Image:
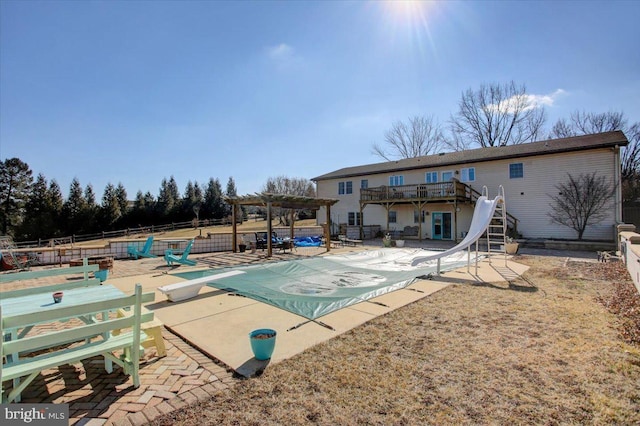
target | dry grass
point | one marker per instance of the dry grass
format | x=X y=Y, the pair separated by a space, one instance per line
x=539 y=351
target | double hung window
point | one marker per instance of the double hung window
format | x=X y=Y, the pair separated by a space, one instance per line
x=516 y=170
x=468 y=174
x=396 y=180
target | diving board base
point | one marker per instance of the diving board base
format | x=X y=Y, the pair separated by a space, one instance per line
x=190 y=289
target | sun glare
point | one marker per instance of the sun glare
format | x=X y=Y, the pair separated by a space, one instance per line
x=410 y=19
x=407 y=9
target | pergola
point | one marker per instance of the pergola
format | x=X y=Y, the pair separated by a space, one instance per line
x=285 y=201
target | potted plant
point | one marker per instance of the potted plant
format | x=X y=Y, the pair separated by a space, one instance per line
x=242 y=245
x=400 y=240
x=263 y=342
x=511 y=246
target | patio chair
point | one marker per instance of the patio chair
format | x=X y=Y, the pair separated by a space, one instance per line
x=172 y=258
x=132 y=250
x=261 y=240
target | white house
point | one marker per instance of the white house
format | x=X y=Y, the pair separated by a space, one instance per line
x=433 y=196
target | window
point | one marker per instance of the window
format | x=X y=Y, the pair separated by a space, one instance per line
x=354 y=218
x=447 y=176
x=468 y=174
x=516 y=170
x=364 y=183
x=417 y=213
x=396 y=180
x=345 y=188
x=431 y=177
x=393 y=216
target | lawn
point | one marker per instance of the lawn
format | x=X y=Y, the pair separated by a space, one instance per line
x=559 y=346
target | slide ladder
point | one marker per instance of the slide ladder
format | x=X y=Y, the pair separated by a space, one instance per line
x=497 y=230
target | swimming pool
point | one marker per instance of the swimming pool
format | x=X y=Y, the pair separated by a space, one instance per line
x=316 y=286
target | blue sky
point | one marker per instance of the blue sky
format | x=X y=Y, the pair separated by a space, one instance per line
x=138 y=91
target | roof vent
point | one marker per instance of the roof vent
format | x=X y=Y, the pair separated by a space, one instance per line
x=442 y=153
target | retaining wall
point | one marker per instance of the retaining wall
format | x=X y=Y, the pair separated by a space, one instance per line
x=630 y=250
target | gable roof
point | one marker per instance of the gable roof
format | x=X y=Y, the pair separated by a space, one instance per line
x=551 y=146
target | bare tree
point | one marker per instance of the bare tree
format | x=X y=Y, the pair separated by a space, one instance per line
x=630 y=161
x=289 y=186
x=630 y=165
x=496 y=115
x=419 y=136
x=587 y=123
x=581 y=201
x=562 y=129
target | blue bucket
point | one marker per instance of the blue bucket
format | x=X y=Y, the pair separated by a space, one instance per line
x=261 y=345
x=102 y=275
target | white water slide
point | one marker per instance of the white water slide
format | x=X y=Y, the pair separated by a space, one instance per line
x=483 y=214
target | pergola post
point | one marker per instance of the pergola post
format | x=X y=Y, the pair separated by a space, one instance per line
x=291 y=227
x=327 y=230
x=269 y=230
x=234 y=227
x=361 y=223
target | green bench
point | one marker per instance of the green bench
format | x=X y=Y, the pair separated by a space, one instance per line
x=79 y=340
x=86 y=269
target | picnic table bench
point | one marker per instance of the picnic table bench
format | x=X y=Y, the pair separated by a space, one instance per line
x=349 y=241
x=86 y=268
x=77 y=340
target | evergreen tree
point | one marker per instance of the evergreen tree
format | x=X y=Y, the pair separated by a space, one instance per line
x=230 y=192
x=123 y=202
x=110 y=207
x=168 y=199
x=192 y=201
x=139 y=203
x=214 y=207
x=55 y=202
x=36 y=216
x=15 y=185
x=73 y=210
x=90 y=214
x=233 y=192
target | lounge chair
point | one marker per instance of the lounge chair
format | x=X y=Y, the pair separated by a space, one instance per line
x=172 y=258
x=133 y=251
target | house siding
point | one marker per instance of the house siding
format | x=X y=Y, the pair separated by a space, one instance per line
x=527 y=198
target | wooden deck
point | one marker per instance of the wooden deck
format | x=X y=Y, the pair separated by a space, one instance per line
x=422 y=193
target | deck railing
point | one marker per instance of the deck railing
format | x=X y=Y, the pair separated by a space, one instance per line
x=421 y=191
